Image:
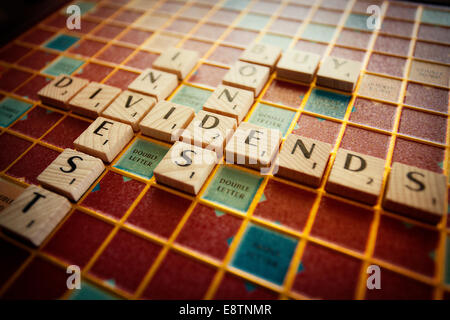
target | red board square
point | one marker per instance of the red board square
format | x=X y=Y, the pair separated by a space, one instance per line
x=225 y=55
x=374 y=114
x=37 y=60
x=208 y=75
x=285 y=26
x=181 y=26
x=310 y=46
x=179 y=277
x=13 y=257
x=342 y=223
x=121 y=79
x=30 y=89
x=434 y=33
x=13 y=53
x=352 y=54
x=32 y=164
x=395 y=27
x=327 y=16
x=241 y=37
x=286 y=205
x=295 y=12
x=430 y=98
x=142 y=60
x=265 y=7
x=159 y=212
x=210 y=31
x=384 y=64
x=224 y=16
x=432 y=51
x=317 y=128
x=170 y=7
x=401 y=11
x=325 y=273
x=15 y=147
x=392 y=45
x=354 y=38
x=78 y=238
x=209 y=231
x=232 y=288
x=200 y=46
x=113 y=195
x=115 y=54
x=87 y=48
x=419 y=155
x=128 y=16
x=125 y=260
x=109 y=31
x=102 y=12
x=36 y=122
x=58 y=21
x=407 y=245
x=285 y=93
x=135 y=36
x=397 y=287
x=12 y=78
x=41 y=280
x=423 y=125
x=37 y=36
x=87 y=26
x=364 y=141
x=94 y=72
x=66 y=132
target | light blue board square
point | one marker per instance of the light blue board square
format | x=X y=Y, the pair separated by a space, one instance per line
x=191 y=97
x=265 y=253
x=272 y=117
x=357 y=21
x=318 y=32
x=62 y=65
x=233 y=188
x=236 y=4
x=436 y=17
x=275 y=40
x=141 y=158
x=90 y=292
x=328 y=103
x=61 y=42
x=253 y=21
x=11 y=109
x=84 y=6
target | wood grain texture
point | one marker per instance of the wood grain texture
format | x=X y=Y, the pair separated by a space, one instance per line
x=34 y=214
x=155 y=83
x=104 y=138
x=339 y=73
x=71 y=174
x=253 y=146
x=209 y=130
x=247 y=76
x=177 y=61
x=58 y=92
x=185 y=167
x=93 y=99
x=230 y=102
x=303 y=159
x=8 y=193
x=262 y=54
x=165 y=121
x=356 y=176
x=416 y=193
x=130 y=108
x=298 y=65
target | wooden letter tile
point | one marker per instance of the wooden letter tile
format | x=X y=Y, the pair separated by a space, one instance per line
x=165 y=121
x=356 y=176
x=262 y=54
x=156 y=83
x=303 y=159
x=253 y=146
x=34 y=214
x=338 y=73
x=129 y=107
x=185 y=167
x=209 y=130
x=93 y=99
x=298 y=65
x=104 y=138
x=59 y=91
x=230 y=102
x=71 y=173
x=247 y=76
x=417 y=193
x=8 y=193
x=177 y=61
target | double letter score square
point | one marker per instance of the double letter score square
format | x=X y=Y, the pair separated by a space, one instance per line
x=185 y=167
x=71 y=173
x=104 y=138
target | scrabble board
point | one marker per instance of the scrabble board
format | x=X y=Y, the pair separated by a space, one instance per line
x=245 y=233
